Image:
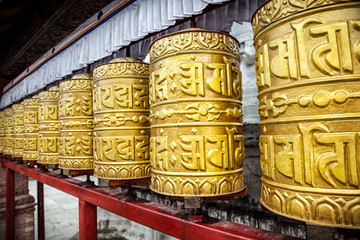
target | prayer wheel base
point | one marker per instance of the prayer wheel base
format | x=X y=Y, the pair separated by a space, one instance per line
x=227 y=197
x=110 y=183
x=31 y=163
x=75 y=173
x=52 y=167
x=18 y=160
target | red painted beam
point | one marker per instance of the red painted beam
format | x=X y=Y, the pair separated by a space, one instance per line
x=163 y=218
x=10 y=204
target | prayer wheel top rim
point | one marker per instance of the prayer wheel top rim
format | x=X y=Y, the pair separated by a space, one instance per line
x=265 y=13
x=52 y=94
x=32 y=101
x=126 y=60
x=84 y=76
x=8 y=111
x=121 y=60
x=18 y=107
x=54 y=88
x=101 y=71
x=78 y=78
x=198 y=46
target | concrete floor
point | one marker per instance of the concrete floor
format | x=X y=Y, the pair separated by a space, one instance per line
x=61 y=213
x=62 y=219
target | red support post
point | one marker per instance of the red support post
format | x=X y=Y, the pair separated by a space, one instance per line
x=10 y=204
x=40 y=205
x=87 y=221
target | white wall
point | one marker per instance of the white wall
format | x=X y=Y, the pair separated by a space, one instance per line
x=243 y=33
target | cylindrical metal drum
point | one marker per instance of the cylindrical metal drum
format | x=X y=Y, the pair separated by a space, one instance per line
x=121 y=117
x=308 y=75
x=197 y=147
x=49 y=126
x=8 y=131
x=76 y=123
x=31 y=128
x=18 y=130
x=2 y=131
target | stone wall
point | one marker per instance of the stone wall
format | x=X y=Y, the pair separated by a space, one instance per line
x=24 y=207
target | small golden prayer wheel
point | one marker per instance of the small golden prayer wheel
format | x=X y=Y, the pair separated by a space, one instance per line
x=2 y=131
x=18 y=130
x=121 y=117
x=49 y=126
x=8 y=131
x=308 y=75
x=76 y=123
x=31 y=128
x=197 y=147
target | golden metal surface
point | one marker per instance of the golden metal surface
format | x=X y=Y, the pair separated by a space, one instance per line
x=31 y=129
x=308 y=75
x=121 y=117
x=2 y=131
x=49 y=126
x=76 y=123
x=197 y=147
x=18 y=130
x=8 y=131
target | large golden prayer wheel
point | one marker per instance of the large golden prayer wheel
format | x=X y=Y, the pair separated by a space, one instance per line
x=49 y=126
x=2 y=131
x=18 y=130
x=31 y=128
x=197 y=147
x=8 y=131
x=308 y=75
x=76 y=123
x=121 y=117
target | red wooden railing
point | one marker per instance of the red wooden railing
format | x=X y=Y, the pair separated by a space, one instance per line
x=154 y=215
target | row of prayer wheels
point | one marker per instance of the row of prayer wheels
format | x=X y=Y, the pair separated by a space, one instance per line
x=179 y=120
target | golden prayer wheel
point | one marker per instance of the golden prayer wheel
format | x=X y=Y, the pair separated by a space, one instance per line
x=18 y=130
x=197 y=146
x=31 y=128
x=76 y=123
x=49 y=126
x=308 y=75
x=2 y=131
x=8 y=131
x=121 y=117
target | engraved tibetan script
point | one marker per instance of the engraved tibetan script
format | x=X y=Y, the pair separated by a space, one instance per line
x=223 y=152
x=125 y=148
x=326 y=46
x=315 y=156
x=120 y=96
x=48 y=113
x=223 y=78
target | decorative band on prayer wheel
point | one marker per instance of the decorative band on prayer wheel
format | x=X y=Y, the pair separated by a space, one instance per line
x=308 y=75
x=18 y=130
x=76 y=123
x=31 y=128
x=8 y=131
x=49 y=126
x=196 y=143
x=121 y=117
x=2 y=131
